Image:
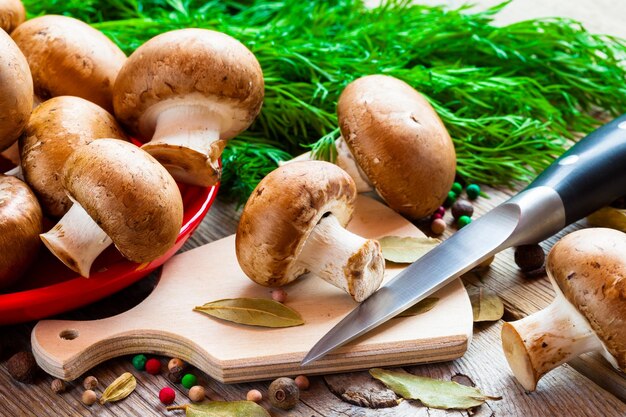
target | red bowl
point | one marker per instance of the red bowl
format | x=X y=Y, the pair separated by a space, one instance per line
x=49 y=287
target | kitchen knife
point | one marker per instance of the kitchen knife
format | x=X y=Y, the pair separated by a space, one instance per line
x=591 y=174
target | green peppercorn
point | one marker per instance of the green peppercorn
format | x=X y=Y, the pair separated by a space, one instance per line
x=139 y=362
x=463 y=221
x=189 y=380
x=473 y=191
x=450 y=199
x=457 y=188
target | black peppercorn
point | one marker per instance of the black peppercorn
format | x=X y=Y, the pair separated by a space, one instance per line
x=176 y=374
x=529 y=257
x=462 y=208
x=284 y=393
x=22 y=367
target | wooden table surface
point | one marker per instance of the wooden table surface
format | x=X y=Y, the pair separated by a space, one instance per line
x=569 y=390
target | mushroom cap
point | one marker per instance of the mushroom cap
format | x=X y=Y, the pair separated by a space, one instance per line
x=281 y=213
x=20 y=225
x=400 y=143
x=16 y=100
x=69 y=57
x=56 y=128
x=590 y=269
x=128 y=194
x=201 y=65
x=12 y=14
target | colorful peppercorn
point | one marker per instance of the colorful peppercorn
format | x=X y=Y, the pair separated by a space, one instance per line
x=90 y=382
x=463 y=221
x=438 y=226
x=58 y=386
x=153 y=366
x=450 y=199
x=189 y=380
x=89 y=397
x=283 y=393
x=176 y=374
x=254 y=395
x=196 y=393
x=457 y=188
x=302 y=382
x=279 y=295
x=473 y=191
x=175 y=362
x=529 y=257
x=167 y=395
x=462 y=208
x=139 y=362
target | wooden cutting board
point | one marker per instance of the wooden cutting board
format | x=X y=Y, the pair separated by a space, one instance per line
x=165 y=324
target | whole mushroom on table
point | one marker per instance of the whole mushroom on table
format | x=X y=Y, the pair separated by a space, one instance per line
x=12 y=14
x=294 y=223
x=185 y=93
x=588 y=271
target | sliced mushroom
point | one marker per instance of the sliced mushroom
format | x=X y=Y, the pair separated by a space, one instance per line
x=588 y=272
x=16 y=100
x=20 y=225
x=12 y=14
x=399 y=142
x=121 y=195
x=69 y=57
x=187 y=92
x=55 y=129
x=293 y=223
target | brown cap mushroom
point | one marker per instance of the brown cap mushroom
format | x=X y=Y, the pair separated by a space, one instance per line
x=55 y=129
x=293 y=223
x=588 y=271
x=12 y=14
x=120 y=194
x=20 y=225
x=187 y=92
x=69 y=57
x=399 y=142
x=16 y=100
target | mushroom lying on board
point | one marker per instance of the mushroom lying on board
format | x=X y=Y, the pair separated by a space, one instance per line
x=399 y=142
x=56 y=128
x=68 y=57
x=588 y=271
x=293 y=223
x=20 y=225
x=16 y=99
x=121 y=195
x=187 y=92
x=12 y=14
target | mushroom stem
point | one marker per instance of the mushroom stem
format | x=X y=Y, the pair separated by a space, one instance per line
x=187 y=142
x=76 y=240
x=12 y=153
x=343 y=259
x=542 y=341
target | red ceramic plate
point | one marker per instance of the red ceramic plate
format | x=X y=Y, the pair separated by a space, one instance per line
x=50 y=287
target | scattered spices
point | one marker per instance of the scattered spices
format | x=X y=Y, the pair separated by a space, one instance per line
x=438 y=226
x=139 y=362
x=462 y=208
x=119 y=389
x=58 y=386
x=253 y=312
x=279 y=295
x=89 y=397
x=167 y=395
x=406 y=249
x=302 y=382
x=175 y=363
x=284 y=393
x=254 y=395
x=196 y=393
x=90 y=382
x=450 y=199
x=529 y=257
x=153 y=366
x=175 y=374
x=473 y=191
x=440 y=212
x=22 y=367
x=457 y=188
x=189 y=380
x=463 y=221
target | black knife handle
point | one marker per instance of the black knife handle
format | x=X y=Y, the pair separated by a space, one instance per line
x=592 y=173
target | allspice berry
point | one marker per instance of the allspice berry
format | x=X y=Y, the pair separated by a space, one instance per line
x=196 y=393
x=462 y=208
x=302 y=382
x=89 y=397
x=22 y=367
x=176 y=374
x=284 y=393
x=529 y=257
x=175 y=362
x=90 y=382
x=254 y=395
x=58 y=386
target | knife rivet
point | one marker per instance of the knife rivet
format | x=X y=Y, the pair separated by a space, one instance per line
x=569 y=160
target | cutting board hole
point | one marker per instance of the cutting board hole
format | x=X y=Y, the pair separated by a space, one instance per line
x=69 y=334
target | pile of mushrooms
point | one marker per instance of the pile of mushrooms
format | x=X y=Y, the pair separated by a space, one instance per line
x=12 y=14
x=294 y=223
x=588 y=271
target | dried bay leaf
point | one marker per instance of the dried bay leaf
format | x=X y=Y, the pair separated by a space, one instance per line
x=609 y=217
x=406 y=249
x=119 y=389
x=423 y=306
x=223 y=409
x=486 y=305
x=431 y=392
x=253 y=312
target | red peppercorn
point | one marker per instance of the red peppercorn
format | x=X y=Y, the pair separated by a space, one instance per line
x=441 y=211
x=153 y=366
x=167 y=395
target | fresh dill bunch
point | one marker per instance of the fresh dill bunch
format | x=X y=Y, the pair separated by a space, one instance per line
x=512 y=97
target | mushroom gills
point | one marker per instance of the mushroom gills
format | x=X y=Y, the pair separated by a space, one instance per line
x=544 y=340
x=343 y=259
x=76 y=240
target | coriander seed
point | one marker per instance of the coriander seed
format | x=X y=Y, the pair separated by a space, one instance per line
x=284 y=393
x=254 y=395
x=58 y=386
x=90 y=382
x=196 y=393
x=438 y=226
x=89 y=397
